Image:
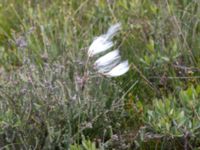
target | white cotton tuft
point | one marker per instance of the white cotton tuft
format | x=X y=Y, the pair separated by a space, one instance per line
x=119 y=70
x=103 y=42
x=112 y=31
x=109 y=64
x=108 y=61
x=100 y=44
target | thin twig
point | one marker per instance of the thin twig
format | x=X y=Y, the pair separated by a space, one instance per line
x=171 y=77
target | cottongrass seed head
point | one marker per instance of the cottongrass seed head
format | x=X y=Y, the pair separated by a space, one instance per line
x=103 y=42
x=108 y=61
x=109 y=64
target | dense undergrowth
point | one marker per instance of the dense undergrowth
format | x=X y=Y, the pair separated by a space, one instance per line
x=49 y=100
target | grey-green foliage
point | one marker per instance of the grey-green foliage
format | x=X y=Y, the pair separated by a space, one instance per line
x=176 y=117
x=50 y=109
x=86 y=145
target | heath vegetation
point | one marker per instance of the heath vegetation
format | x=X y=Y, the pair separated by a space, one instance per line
x=56 y=93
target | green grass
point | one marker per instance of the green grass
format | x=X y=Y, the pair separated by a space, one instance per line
x=47 y=101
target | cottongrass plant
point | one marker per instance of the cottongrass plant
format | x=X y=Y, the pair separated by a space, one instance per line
x=109 y=64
